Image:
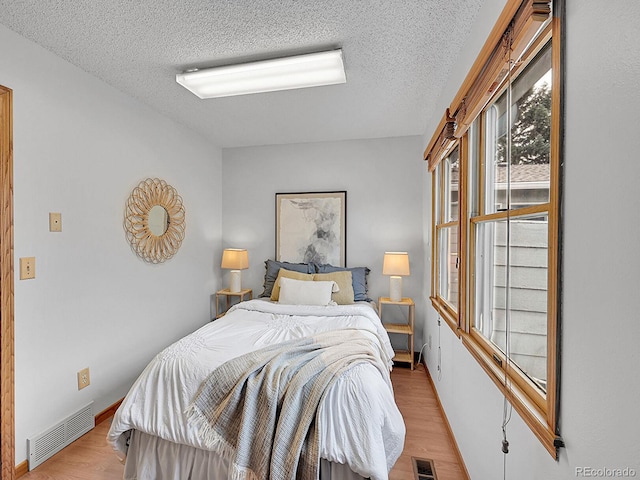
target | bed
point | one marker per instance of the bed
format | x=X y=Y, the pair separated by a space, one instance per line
x=359 y=429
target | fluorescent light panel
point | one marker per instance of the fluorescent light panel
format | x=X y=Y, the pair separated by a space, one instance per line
x=301 y=71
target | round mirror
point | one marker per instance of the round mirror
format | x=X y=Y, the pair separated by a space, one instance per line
x=154 y=220
x=158 y=220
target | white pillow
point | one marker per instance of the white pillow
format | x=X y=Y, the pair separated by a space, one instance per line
x=303 y=292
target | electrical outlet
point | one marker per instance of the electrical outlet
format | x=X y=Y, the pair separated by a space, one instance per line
x=55 y=222
x=27 y=268
x=84 y=380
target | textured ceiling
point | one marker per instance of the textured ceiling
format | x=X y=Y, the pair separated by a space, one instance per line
x=397 y=57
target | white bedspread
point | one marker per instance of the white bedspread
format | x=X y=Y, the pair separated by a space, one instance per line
x=359 y=422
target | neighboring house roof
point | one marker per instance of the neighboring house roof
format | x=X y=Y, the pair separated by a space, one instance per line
x=525 y=173
x=533 y=173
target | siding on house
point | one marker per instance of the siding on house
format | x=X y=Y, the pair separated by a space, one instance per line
x=527 y=290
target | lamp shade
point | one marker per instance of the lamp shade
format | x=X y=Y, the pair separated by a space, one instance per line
x=235 y=259
x=396 y=263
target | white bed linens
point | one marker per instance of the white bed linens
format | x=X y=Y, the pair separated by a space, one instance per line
x=359 y=422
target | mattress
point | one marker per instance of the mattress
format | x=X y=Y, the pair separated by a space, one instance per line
x=359 y=423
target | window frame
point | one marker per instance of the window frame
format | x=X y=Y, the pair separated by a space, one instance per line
x=449 y=312
x=538 y=410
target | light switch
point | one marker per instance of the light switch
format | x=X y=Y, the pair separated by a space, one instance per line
x=27 y=268
x=55 y=222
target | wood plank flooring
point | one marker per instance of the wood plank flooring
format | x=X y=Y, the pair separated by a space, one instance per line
x=427 y=431
x=90 y=458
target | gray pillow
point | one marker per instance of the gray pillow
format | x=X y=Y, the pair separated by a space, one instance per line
x=358 y=276
x=273 y=267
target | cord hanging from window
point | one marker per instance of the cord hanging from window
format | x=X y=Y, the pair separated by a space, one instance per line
x=439 y=351
x=507 y=408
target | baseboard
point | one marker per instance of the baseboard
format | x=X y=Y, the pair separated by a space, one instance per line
x=23 y=468
x=108 y=412
x=446 y=421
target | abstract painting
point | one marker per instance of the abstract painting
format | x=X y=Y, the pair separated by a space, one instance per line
x=311 y=227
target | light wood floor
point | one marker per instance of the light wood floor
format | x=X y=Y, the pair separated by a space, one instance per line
x=90 y=458
x=427 y=433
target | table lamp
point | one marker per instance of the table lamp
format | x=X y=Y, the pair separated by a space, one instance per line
x=235 y=259
x=395 y=264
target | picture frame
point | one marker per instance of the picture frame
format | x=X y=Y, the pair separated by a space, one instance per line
x=312 y=227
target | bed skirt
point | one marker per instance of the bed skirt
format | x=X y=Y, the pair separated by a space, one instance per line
x=153 y=458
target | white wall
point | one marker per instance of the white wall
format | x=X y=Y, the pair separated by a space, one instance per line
x=600 y=385
x=80 y=147
x=382 y=178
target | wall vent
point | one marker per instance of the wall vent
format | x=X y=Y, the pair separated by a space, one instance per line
x=43 y=446
x=423 y=469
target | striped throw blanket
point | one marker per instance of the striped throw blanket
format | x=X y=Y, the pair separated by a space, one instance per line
x=259 y=409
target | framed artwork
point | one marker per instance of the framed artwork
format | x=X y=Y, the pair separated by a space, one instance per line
x=312 y=227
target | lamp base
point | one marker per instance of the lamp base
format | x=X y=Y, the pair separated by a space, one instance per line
x=395 y=288
x=235 y=281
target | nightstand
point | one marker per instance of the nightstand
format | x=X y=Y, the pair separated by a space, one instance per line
x=227 y=297
x=401 y=328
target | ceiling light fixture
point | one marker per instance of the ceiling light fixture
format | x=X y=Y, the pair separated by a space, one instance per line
x=300 y=71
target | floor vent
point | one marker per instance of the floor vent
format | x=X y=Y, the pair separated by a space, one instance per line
x=45 y=445
x=423 y=469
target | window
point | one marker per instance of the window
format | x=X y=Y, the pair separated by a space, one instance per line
x=495 y=160
x=446 y=190
x=511 y=232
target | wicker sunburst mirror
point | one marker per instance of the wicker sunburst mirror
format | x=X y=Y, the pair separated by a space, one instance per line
x=154 y=220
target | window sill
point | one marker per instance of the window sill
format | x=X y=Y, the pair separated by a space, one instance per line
x=531 y=414
x=449 y=315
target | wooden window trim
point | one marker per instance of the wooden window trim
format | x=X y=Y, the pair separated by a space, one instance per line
x=516 y=27
x=538 y=420
x=447 y=312
x=450 y=313
x=489 y=46
x=444 y=308
x=481 y=343
x=522 y=30
x=553 y=280
x=538 y=410
x=483 y=80
x=434 y=222
x=543 y=208
x=447 y=225
x=441 y=142
x=463 y=229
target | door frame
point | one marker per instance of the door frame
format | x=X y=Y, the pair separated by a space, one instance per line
x=7 y=427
